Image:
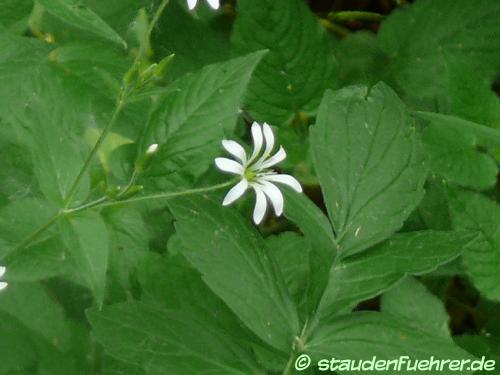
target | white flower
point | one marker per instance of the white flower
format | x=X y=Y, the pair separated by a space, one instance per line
x=3 y=284
x=213 y=3
x=255 y=172
x=152 y=149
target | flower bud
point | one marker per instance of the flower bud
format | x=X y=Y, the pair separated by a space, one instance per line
x=152 y=149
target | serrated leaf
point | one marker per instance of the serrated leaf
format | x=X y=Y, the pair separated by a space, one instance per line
x=369 y=163
x=79 y=15
x=368 y=274
x=87 y=240
x=236 y=265
x=364 y=335
x=421 y=37
x=413 y=304
x=300 y=65
x=189 y=120
x=452 y=155
x=481 y=258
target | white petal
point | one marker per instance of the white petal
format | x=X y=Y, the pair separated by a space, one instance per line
x=260 y=205
x=274 y=195
x=192 y=4
x=152 y=149
x=214 y=3
x=269 y=137
x=2 y=271
x=228 y=165
x=284 y=179
x=257 y=140
x=275 y=159
x=236 y=191
x=235 y=149
x=3 y=285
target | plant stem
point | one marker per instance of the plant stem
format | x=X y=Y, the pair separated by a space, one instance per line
x=37 y=232
x=289 y=365
x=167 y=195
x=106 y=202
x=95 y=149
x=352 y=15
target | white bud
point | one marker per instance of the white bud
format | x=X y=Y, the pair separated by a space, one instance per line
x=152 y=149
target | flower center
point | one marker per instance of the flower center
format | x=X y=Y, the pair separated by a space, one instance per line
x=249 y=174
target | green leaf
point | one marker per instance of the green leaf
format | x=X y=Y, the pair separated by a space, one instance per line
x=364 y=335
x=471 y=95
x=190 y=46
x=31 y=305
x=300 y=65
x=483 y=133
x=291 y=252
x=43 y=260
x=236 y=265
x=54 y=127
x=360 y=59
x=183 y=307
x=452 y=155
x=165 y=341
x=79 y=15
x=369 y=163
x=368 y=274
x=15 y=13
x=87 y=240
x=19 y=220
x=189 y=120
x=413 y=304
x=421 y=38
x=17 y=352
x=481 y=258
x=319 y=234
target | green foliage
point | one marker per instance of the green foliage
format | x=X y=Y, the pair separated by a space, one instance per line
x=369 y=163
x=299 y=66
x=120 y=257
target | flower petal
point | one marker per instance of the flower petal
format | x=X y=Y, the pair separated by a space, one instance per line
x=214 y=3
x=275 y=159
x=192 y=4
x=257 y=140
x=284 y=179
x=269 y=138
x=274 y=195
x=236 y=191
x=260 y=205
x=2 y=271
x=3 y=285
x=235 y=149
x=228 y=165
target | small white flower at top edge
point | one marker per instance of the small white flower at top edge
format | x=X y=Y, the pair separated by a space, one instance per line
x=256 y=172
x=213 y=3
x=3 y=284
